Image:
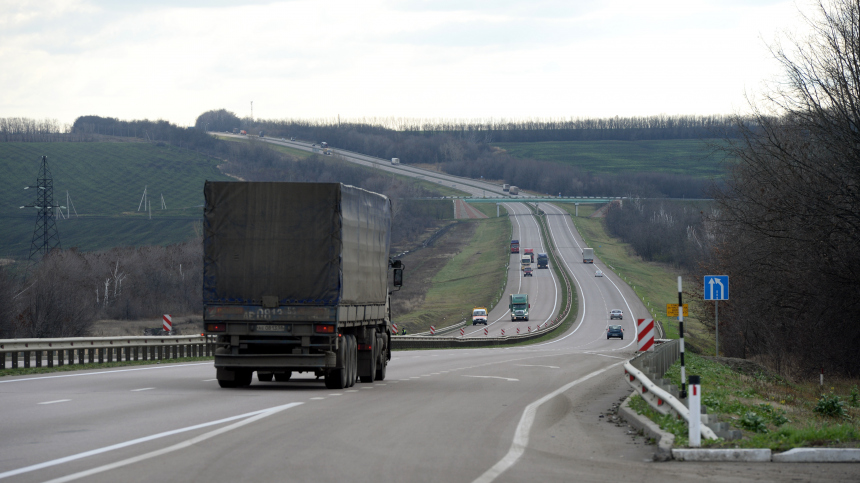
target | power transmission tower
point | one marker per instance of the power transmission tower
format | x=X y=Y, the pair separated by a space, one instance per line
x=45 y=234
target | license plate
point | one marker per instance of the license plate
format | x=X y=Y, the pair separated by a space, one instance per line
x=270 y=328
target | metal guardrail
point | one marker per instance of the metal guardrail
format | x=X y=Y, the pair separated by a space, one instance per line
x=89 y=350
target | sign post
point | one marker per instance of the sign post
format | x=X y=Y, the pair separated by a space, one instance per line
x=716 y=289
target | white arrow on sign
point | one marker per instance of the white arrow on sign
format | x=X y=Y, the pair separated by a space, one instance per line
x=716 y=281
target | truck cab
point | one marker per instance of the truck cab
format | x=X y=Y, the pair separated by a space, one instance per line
x=542 y=261
x=531 y=254
x=525 y=261
x=515 y=246
x=519 y=306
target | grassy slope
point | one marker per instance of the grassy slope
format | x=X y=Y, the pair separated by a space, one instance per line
x=656 y=284
x=106 y=182
x=679 y=156
x=471 y=278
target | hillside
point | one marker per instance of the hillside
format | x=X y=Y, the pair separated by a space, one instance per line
x=677 y=156
x=105 y=182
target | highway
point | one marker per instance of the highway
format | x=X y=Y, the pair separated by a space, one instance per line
x=526 y=413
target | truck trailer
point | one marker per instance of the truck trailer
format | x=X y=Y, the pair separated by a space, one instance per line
x=514 y=190
x=295 y=279
x=588 y=255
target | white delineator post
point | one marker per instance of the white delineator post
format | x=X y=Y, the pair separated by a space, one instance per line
x=695 y=433
x=646 y=334
x=168 y=324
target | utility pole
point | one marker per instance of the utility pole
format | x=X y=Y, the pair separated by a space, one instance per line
x=45 y=234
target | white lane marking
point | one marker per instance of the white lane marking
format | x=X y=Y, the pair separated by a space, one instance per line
x=367 y=388
x=142 y=389
x=493 y=377
x=144 y=439
x=209 y=380
x=317 y=398
x=336 y=394
x=382 y=384
x=107 y=372
x=604 y=355
x=536 y=365
x=351 y=390
x=521 y=436
x=55 y=402
x=175 y=447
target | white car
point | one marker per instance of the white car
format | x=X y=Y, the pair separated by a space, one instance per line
x=598 y=273
x=616 y=314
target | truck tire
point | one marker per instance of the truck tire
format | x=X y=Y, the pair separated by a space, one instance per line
x=352 y=360
x=336 y=378
x=283 y=376
x=373 y=365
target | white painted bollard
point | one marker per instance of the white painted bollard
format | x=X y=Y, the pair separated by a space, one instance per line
x=167 y=324
x=695 y=394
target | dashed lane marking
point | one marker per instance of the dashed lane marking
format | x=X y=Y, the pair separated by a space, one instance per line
x=494 y=377
x=55 y=402
x=537 y=365
x=142 y=389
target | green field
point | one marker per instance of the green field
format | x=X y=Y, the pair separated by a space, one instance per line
x=678 y=156
x=105 y=182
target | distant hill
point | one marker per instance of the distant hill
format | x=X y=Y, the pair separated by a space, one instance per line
x=105 y=182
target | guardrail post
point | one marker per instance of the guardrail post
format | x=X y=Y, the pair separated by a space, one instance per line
x=51 y=358
x=160 y=350
x=145 y=352
x=15 y=360
x=61 y=356
x=26 y=359
x=38 y=358
x=101 y=352
x=92 y=356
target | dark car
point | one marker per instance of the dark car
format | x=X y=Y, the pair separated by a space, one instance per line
x=615 y=331
x=528 y=272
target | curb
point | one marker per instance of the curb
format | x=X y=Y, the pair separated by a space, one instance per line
x=818 y=455
x=664 y=440
x=732 y=455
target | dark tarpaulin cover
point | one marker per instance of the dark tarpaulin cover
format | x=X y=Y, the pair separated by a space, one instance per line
x=304 y=243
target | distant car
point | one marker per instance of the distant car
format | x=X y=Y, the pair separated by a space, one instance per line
x=292 y=139
x=615 y=331
x=598 y=273
x=616 y=314
x=527 y=272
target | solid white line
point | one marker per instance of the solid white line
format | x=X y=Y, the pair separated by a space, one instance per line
x=521 y=436
x=175 y=447
x=142 y=389
x=209 y=380
x=107 y=372
x=494 y=377
x=93 y=452
x=536 y=365
x=55 y=402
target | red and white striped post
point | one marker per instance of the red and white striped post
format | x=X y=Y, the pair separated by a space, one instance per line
x=518 y=330
x=462 y=331
x=530 y=329
x=503 y=332
x=394 y=326
x=486 y=331
x=432 y=330
x=168 y=324
x=646 y=334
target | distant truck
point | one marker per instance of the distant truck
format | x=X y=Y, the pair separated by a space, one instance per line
x=514 y=190
x=588 y=255
x=525 y=261
x=243 y=132
x=295 y=279
x=323 y=144
x=530 y=252
x=515 y=246
x=262 y=134
x=543 y=261
x=519 y=307
x=479 y=315
x=235 y=130
x=506 y=187
x=395 y=160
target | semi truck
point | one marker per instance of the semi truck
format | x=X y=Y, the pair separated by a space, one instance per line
x=519 y=307
x=588 y=255
x=525 y=261
x=296 y=279
x=515 y=246
x=543 y=261
x=530 y=252
x=514 y=190
x=506 y=187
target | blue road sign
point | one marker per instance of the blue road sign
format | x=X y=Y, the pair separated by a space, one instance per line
x=716 y=287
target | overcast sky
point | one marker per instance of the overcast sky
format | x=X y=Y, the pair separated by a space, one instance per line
x=174 y=59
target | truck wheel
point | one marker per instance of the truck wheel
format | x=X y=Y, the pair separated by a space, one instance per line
x=353 y=361
x=373 y=366
x=243 y=378
x=227 y=384
x=336 y=378
x=380 y=370
x=265 y=376
x=283 y=376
